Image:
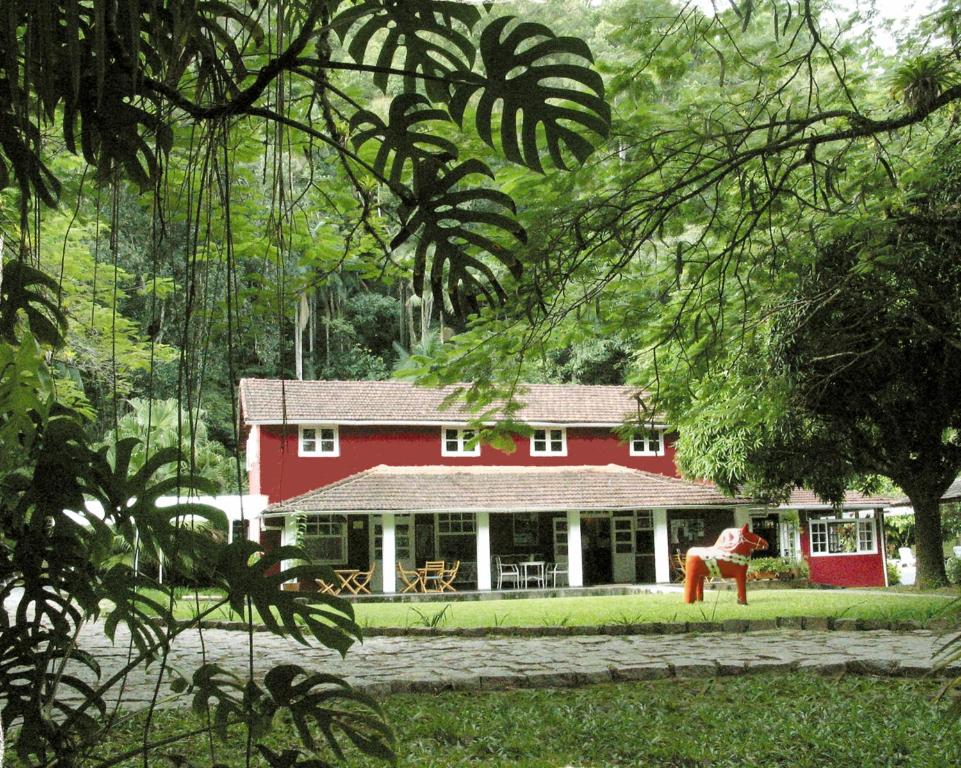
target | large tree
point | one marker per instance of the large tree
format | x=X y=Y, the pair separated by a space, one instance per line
x=861 y=373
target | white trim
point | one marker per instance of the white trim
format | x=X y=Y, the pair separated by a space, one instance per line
x=548 y=439
x=318 y=454
x=388 y=564
x=438 y=423
x=659 y=451
x=462 y=450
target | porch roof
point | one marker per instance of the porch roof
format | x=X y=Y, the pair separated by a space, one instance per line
x=503 y=489
x=802 y=498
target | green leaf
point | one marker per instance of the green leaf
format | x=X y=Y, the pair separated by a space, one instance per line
x=427 y=38
x=535 y=91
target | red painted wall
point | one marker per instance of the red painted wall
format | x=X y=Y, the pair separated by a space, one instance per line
x=845 y=570
x=282 y=473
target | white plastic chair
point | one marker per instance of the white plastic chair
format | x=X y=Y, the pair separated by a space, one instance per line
x=557 y=569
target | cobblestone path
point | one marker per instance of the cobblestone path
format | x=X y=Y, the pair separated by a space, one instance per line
x=395 y=664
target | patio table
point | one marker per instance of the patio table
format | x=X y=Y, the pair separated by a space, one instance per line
x=532 y=569
x=347 y=576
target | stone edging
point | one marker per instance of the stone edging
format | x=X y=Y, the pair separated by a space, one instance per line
x=693 y=669
x=819 y=624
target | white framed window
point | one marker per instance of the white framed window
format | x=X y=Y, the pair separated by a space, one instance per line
x=456 y=535
x=647 y=442
x=457 y=442
x=850 y=533
x=549 y=442
x=325 y=538
x=318 y=440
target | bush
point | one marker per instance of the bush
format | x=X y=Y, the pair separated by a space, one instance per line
x=894 y=574
x=781 y=567
x=953 y=569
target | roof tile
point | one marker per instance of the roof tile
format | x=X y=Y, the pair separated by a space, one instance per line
x=401 y=402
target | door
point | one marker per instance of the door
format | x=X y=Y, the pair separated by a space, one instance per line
x=560 y=539
x=623 y=550
x=402 y=541
x=596 y=544
x=768 y=527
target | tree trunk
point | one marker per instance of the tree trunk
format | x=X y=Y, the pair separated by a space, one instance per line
x=928 y=541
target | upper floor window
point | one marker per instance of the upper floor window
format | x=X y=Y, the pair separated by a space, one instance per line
x=648 y=442
x=850 y=533
x=318 y=441
x=457 y=442
x=549 y=442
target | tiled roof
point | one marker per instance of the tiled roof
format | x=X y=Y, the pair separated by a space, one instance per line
x=400 y=402
x=470 y=489
x=952 y=494
x=802 y=497
x=954 y=491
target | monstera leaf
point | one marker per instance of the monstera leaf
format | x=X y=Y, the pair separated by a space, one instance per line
x=397 y=138
x=27 y=290
x=327 y=702
x=450 y=220
x=432 y=33
x=246 y=577
x=314 y=701
x=525 y=71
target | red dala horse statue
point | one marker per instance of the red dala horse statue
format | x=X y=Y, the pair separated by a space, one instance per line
x=727 y=559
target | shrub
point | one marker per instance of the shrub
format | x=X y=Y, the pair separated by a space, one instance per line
x=781 y=567
x=894 y=574
x=953 y=569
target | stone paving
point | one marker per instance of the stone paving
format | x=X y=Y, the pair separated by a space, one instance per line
x=426 y=664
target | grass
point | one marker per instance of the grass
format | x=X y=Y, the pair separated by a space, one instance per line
x=796 y=720
x=635 y=609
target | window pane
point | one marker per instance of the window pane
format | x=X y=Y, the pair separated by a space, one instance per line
x=557 y=446
x=310 y=434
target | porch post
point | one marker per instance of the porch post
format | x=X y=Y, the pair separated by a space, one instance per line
x=741 y=516
x=662 y=548
x=484 y=550
x=575 y=568
x=388 y=553
x=288 y=537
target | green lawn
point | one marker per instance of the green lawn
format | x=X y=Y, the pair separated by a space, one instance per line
x=634 y=609
x=794 y=720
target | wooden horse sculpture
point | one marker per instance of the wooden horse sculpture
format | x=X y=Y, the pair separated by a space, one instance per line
x=727 y=559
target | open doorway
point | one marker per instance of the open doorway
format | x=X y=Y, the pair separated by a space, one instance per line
x=596 y=546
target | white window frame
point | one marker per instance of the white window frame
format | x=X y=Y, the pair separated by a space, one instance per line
x=547 y=440
x=462 y=440
x=641 y=443
x=327 y=527
x=864 y=521
x=318 y=440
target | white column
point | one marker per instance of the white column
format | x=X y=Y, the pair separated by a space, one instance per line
x=741 y=516
x=662 y=548
x=288 y=537
x=484 y=550
x=575 y=567
x=389 y=553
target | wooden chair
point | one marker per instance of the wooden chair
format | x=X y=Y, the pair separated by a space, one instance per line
x=362 y=580
x=412 y=580
x=677 y=566
x=326 y=588
x=433 y=574
x=506 y=572
x=447 y=578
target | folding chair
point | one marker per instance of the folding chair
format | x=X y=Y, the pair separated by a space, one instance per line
x=412 y=580
x=447 y=579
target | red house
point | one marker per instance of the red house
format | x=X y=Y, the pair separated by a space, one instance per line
x=384 y=472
